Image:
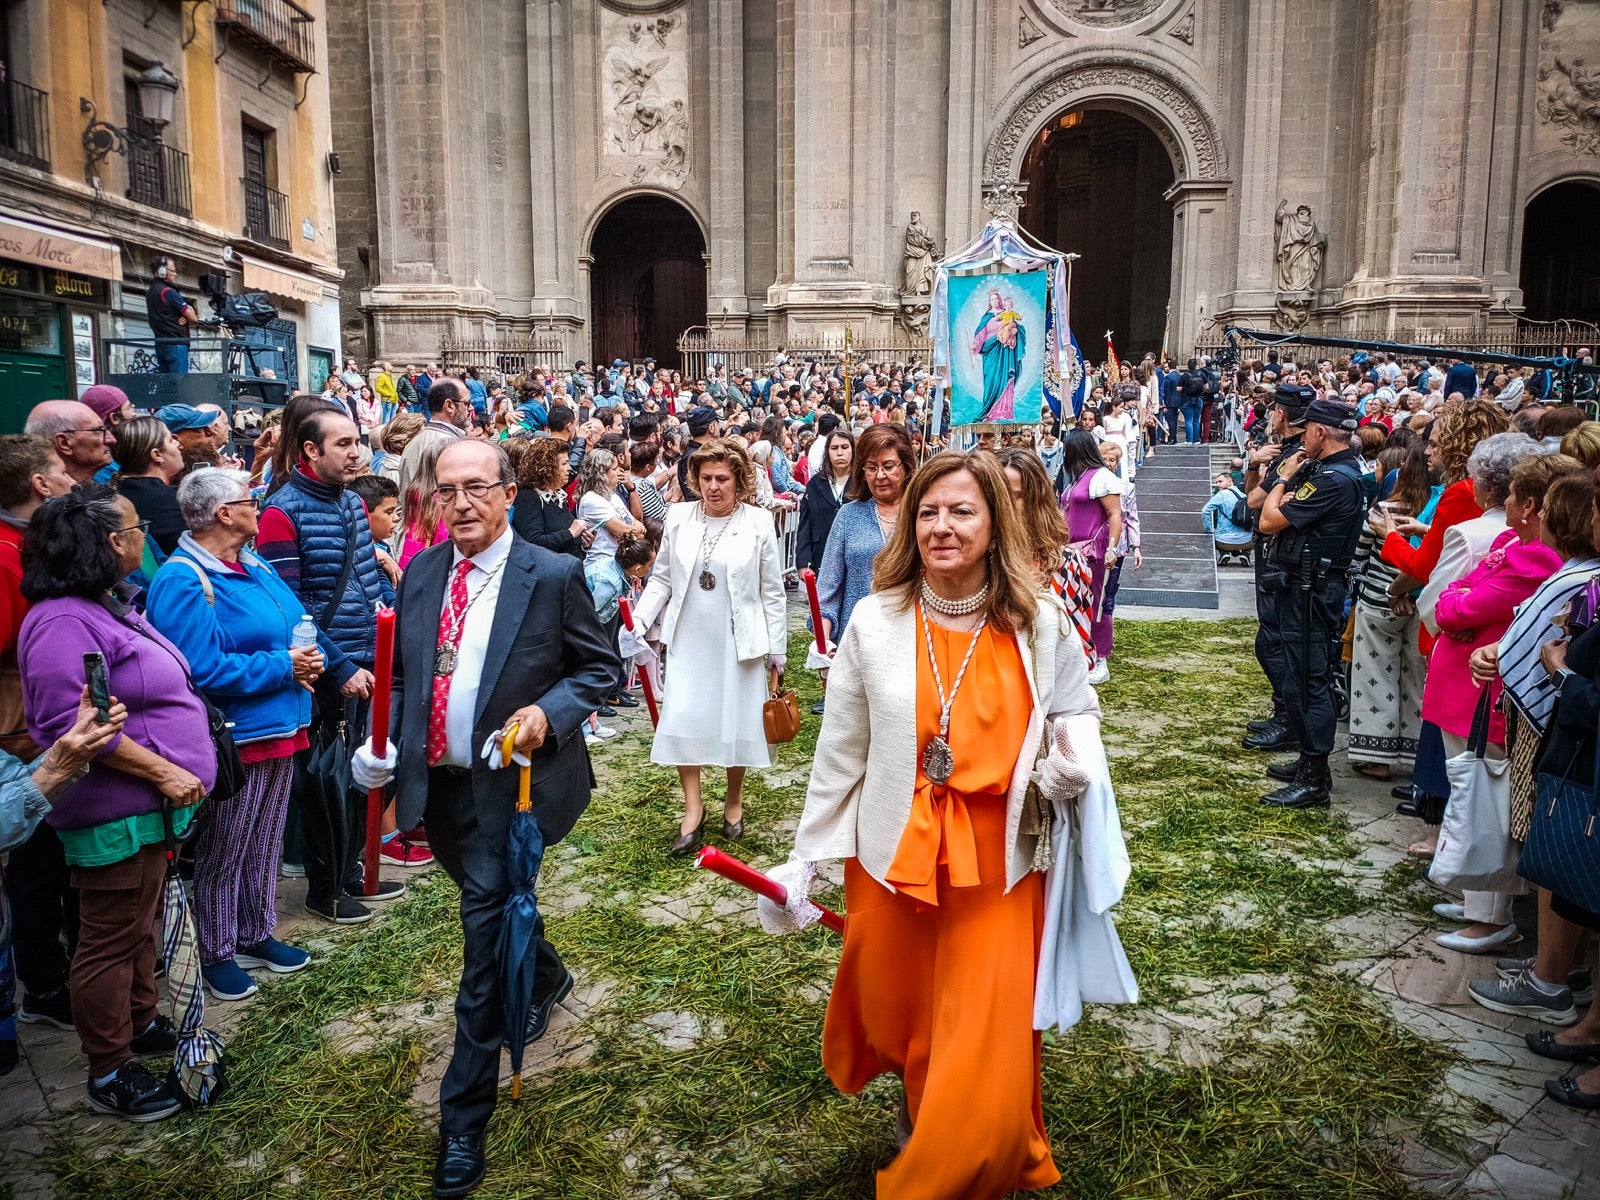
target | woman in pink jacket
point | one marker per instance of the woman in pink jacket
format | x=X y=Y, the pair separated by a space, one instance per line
x=1475 y=611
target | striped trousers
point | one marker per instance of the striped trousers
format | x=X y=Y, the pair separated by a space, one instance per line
x=236 y=859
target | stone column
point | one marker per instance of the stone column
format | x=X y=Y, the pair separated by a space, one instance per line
x=1252 y=271
x=725 y=281
x=1200 y=228
x=549 y=59
x=966 y=107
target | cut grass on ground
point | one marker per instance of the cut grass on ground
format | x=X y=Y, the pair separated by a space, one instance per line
x=1291 y=1084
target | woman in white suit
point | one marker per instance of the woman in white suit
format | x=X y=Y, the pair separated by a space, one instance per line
x=718 y=588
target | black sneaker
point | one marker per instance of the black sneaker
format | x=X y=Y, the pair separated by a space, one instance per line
x=343 y=911
x=160 y=1038
x=52 y=1008
x=134 y=1095
x=388 y=889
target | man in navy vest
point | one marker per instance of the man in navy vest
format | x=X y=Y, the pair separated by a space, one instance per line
x=314 y=532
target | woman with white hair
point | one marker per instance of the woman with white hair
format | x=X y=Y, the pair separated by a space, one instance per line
x=233 y=619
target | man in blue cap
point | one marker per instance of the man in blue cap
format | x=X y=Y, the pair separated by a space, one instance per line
x=201 y=433
x=1315 y=499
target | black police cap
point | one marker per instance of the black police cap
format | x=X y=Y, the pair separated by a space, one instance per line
x=1294 y=399
x=1333 y=413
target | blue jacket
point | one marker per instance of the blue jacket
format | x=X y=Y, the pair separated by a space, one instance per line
x=479 y=391
x=1170 y=396
x=22 y=805
x=534 y=415
x=237 y=643
x=329 y=524
x=1461 y=378
x=1216 y=518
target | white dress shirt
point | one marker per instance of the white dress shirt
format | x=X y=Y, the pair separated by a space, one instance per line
x=483 y=592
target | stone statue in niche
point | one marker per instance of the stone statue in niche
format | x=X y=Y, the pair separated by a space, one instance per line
x=645 y=70
x=1301 y=246
x=921 y=254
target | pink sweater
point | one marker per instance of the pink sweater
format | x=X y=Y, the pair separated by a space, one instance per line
x=1480 y=604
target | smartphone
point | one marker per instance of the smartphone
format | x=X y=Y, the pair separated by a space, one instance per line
x=94 y=670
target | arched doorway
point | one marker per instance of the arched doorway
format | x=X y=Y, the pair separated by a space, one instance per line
x=648 y=281
x=1561 y=254
x=1096 y=178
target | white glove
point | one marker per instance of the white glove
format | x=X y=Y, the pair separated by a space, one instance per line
x=795 y=876
x=631 y=646
x=369 y=771
x=492 y=755
x=1061 y=778
x=816 y=661
x=777 y=662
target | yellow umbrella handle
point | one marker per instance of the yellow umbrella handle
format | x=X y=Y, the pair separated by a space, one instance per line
x=525 y=779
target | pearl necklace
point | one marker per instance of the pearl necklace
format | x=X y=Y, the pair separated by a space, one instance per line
x=954 y=608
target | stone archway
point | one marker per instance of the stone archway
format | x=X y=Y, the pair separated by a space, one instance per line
x=647 y=279
x=1560 y=273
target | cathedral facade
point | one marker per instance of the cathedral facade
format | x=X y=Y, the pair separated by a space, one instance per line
x=610 y=173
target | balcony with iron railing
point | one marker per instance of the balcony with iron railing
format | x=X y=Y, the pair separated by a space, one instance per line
x=25 y=124
x=266 y=214
x=158 y=174
x=278 y=28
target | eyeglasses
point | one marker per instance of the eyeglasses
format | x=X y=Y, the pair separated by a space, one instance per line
x=142 y=527
x=96 y=430
x=253 y=501
x=475 y=491
x=890 y=468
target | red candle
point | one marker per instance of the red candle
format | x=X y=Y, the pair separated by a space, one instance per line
x=746 y=876
x=810 y=578
x=383 y=683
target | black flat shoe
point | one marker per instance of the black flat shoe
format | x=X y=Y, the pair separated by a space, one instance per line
x=733 y=830
x=1408 y=808
x=1544 y=1044
x=1566 y=1091
x=688 y=843
x=460 y=1166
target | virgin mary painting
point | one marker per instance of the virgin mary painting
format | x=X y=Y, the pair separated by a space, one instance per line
x=999 y=343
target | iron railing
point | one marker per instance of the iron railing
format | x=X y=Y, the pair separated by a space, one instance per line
x=25 y=124
x=702 y=348
x=158 y=175
x=266 y=214
x=1529 y=339
x=279 y=28
x=511 y=354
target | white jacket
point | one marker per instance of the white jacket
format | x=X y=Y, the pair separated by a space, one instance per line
x=864 y=774
x=755 y=578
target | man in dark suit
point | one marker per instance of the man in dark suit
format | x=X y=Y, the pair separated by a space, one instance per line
x=492 y=632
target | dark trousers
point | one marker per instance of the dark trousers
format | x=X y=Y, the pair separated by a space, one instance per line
x=113 y=971
x=1308 y=620
x=1174 y=424
x=1205 y=420
x=1108 y=604
x=1269 y=640
x=613 y=629
x=332 y=823
x=477 y=863
x=44 y=907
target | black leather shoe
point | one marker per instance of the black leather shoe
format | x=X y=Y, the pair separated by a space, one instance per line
x=625 y=700
x=1407 y=808
x=1261 y=724
x=1279 y=737
x=1309 y=788
x=460 y=1166
x=539 y=1014
x=1283 y=772
x=1401 y=791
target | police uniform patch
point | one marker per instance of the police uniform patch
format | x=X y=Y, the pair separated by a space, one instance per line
x=1307 y=490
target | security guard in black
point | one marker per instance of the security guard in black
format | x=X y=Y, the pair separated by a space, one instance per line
x=1313 y=509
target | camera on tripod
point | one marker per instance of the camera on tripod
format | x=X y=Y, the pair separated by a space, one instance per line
x=238 y=310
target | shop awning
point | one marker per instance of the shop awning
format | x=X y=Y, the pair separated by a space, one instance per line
x=72 y=250
x=281 y=281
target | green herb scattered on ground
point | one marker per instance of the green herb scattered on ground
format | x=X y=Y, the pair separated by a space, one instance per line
x=1252 y=1068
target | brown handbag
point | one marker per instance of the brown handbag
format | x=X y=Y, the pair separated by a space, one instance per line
x=14 y=736
x=780 y=715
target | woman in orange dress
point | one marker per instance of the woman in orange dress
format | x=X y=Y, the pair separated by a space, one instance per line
x=919 y=783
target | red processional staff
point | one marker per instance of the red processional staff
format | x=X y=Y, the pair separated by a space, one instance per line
x=382 y=684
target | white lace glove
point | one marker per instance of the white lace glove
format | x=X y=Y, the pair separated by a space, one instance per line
x=816 y=661
x=795 y=876
x=368 y=771
x=777 y=662
x=492 y=755
x=1061 y=778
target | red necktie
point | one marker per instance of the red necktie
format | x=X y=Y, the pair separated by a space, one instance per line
x=451 y=621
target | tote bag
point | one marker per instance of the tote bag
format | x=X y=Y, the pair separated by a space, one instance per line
x=1476 y=851
x=1563 y=850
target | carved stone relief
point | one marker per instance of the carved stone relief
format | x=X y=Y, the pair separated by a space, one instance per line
x=1184 y=29
x=1568 y=101
x=644 y=100
x=1027 y=32
x=1208 y=161
x=1292 y=313
x=1107 y=14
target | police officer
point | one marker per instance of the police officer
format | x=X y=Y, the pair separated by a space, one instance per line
x=1286 y=420
x=1313 y=511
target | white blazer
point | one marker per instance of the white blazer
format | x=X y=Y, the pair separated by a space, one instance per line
x=755 y=578
x=864 y=774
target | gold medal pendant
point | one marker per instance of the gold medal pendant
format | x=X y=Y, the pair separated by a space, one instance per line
x=444 y=660
x=937 y=761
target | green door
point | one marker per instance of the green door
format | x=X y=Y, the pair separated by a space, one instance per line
x=25 y=380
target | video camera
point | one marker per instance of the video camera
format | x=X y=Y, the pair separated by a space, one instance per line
x=243 y=309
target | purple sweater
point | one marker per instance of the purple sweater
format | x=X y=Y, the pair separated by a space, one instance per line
x=147 y=673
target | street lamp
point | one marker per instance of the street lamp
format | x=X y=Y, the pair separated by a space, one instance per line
x=158 y=95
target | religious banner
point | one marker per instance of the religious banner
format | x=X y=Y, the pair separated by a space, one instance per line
x=998 y=314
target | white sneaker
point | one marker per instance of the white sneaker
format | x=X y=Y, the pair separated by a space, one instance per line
x=1101 y=672
x=589 y=739
x=605 y=732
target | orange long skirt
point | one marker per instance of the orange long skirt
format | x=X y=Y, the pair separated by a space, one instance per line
x=943 y=997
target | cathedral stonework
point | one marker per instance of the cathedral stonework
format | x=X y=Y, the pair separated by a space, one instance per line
x=610 y=173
